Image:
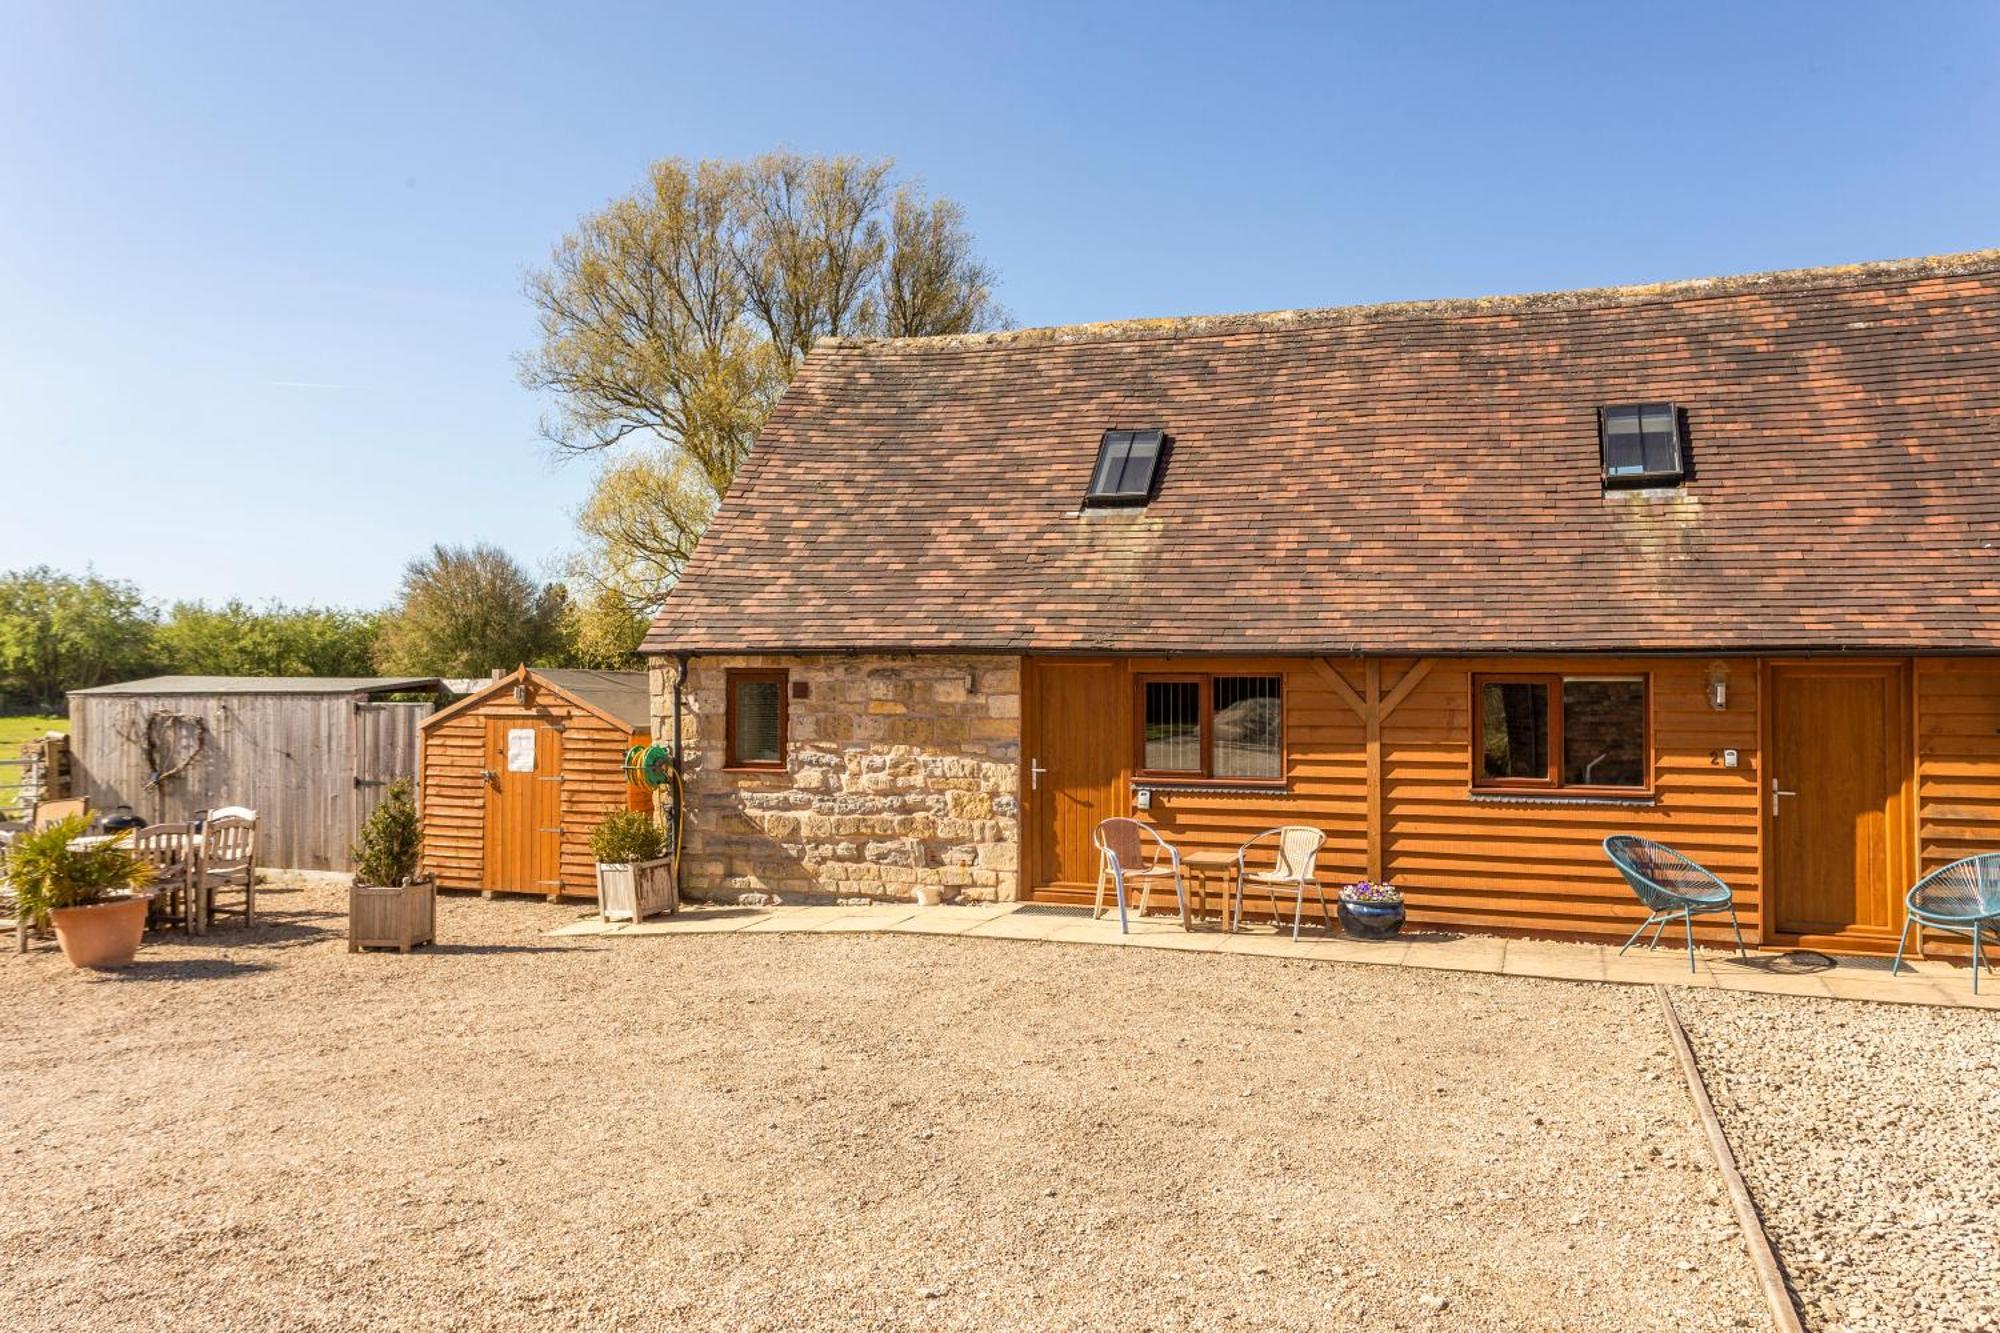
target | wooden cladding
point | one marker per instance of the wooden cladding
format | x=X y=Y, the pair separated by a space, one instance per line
x=1379 y=756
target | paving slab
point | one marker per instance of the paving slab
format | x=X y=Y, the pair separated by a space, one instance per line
x=1923 y=982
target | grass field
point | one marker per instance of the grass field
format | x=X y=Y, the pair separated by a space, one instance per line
x=14 y=730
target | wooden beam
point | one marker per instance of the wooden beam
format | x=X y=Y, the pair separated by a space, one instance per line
x=1340 y=685
x=1373 y=717
x=1411 y=679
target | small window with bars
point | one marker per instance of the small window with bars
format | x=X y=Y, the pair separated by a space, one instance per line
x=1128 y=463
x=1220 y=728
x=1642 y=444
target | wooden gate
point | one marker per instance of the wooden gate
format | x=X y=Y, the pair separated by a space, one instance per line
x=387 y=740
x=523 y=806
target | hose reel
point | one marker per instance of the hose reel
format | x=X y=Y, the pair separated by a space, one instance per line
x=650 y=766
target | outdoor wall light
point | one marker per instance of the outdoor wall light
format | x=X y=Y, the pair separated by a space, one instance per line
x=1718 y=686
x=521 y=695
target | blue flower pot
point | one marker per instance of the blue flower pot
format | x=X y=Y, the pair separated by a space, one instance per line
x=1371 y=921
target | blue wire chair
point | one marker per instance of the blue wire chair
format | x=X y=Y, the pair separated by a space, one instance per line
x=1962 y=898
x=1670 y=885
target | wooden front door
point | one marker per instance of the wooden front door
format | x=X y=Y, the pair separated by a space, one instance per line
x=1076 y=746
x=1835 y=803
x=523 y=806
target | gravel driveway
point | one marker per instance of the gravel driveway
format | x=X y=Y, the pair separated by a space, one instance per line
x=1870 y=1137
x=259 y=1130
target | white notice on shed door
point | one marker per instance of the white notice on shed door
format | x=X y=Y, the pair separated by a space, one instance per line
x=521 y=750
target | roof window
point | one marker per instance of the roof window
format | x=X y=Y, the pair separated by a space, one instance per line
x=1642 y=444
x=1128 y=462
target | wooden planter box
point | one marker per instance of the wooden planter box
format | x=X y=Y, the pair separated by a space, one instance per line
x=398 y=917
x=635 y=890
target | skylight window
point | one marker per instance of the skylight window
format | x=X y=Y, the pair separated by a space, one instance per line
x=1642 y=444
x=1128 y=461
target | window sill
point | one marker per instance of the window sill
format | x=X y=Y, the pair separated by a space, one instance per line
x=1209 y=787
x=1635 y=800
x=756 y=768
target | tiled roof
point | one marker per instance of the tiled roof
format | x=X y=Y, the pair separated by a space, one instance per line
x=270 y=685
x=1390 y=479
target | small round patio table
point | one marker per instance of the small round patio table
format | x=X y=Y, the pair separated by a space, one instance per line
x=1200 y=866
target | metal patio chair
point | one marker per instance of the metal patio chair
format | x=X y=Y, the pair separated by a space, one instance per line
x=1962 y=898
x=1297 y=851
x=1128 y=850
x=1670 y=885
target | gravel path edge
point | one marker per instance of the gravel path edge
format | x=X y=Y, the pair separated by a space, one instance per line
x=1763 y=1258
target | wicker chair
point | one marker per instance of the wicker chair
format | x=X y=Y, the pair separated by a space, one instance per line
x=1962 y=898
x=170 y=850
x=1670 y=885
x=1130 y=851
x=228 y=860
x=1297 y=851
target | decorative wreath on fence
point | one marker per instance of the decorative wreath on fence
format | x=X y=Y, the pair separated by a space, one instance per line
x=161 y=727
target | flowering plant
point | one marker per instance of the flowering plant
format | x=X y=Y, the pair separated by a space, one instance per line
x=1368 y=891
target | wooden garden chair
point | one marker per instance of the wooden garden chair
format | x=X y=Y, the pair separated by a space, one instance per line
x=1131 y=852
x=1297 y=853
x=170 y=850
x=226 y=860
x=54 y=812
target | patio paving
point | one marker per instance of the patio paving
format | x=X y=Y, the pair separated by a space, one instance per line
x=1765 y=973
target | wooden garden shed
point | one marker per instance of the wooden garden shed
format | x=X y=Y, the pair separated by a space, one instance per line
x=516 y=777
x=311 y=754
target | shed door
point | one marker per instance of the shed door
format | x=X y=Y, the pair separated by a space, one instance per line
x=1837 y=755
x=1077 y=748
x=523 y=806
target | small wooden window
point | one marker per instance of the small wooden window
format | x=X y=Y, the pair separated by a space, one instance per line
x=1226 y=728
x=1573 y=733
x=755 y=720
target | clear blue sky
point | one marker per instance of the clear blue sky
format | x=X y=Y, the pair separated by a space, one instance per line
x=260 y=265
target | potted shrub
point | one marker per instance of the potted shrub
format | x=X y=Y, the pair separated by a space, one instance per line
x=1371 y=911
x=389 y=906
x=635 y=876
x=91 y=895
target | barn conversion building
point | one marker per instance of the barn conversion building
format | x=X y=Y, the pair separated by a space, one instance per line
x=1468 y=584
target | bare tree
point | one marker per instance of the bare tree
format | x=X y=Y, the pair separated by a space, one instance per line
x=672 y=319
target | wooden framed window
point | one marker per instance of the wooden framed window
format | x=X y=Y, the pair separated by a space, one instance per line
x=1566 y=733
x=755 y=718
x=1216 y=727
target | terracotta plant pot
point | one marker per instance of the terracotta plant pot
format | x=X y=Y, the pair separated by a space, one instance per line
x=103 y=934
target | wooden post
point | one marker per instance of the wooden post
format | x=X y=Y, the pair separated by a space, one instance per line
x=1373 y=709
x=1372 y=696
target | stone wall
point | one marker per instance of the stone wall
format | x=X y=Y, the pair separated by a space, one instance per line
x=902 y=771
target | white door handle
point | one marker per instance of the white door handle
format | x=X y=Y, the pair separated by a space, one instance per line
x=1776 y=792
x=1035 y=771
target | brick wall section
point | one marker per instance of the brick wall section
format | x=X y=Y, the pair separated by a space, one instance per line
x=901 y=771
